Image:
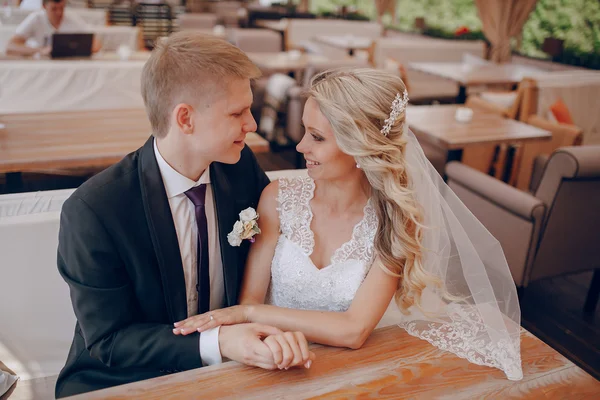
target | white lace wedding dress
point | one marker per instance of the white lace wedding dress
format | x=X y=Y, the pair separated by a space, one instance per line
x=295 y=281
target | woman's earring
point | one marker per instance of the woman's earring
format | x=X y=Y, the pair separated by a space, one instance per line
x=357 y=165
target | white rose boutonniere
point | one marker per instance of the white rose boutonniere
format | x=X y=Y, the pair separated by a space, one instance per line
x=245 y=228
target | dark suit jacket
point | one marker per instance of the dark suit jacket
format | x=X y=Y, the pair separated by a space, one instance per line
x=119 y=254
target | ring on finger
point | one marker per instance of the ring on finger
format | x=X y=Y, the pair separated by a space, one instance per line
x=211 y=317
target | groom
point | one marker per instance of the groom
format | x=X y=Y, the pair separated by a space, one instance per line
x=144 y=243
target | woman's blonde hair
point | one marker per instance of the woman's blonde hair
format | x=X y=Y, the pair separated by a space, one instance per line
x=357 y=102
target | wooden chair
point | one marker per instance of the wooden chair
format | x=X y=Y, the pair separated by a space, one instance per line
x=121 y=14
x=562 y=135
x=156 y=21
x=492 y=159
x=489 y=159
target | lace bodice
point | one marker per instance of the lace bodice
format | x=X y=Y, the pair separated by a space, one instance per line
x=295 y=281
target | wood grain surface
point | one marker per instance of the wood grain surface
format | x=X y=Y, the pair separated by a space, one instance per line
x=30 y=142
x=391 y=365
x=436 y=125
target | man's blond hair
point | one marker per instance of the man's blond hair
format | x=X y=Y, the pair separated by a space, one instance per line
x=187 y=68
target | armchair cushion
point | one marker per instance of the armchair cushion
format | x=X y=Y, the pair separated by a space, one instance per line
x=561 y=112
x=509 y=198
x=513 y=217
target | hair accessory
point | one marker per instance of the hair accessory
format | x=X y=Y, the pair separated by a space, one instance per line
x=398 y=106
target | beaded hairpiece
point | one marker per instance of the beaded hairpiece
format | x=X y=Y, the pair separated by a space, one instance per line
x=398 y=106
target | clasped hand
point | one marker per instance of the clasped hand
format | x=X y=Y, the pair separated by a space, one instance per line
x=252 y=344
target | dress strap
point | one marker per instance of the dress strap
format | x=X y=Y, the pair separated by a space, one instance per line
x=295 y=215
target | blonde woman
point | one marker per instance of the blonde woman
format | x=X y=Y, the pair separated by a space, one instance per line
x=372 y=223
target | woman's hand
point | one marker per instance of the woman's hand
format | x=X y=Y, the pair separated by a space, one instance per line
x=290 y=349
x=202 y=322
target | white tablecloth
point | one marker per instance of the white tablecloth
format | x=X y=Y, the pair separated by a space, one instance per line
x=110 y=36
x=52 y=85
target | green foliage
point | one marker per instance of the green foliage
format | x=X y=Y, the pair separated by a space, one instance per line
x=577 y=22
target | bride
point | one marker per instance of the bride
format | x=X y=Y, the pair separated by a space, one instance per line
x=373 y=223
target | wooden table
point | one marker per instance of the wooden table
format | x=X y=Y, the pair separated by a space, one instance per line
x=436 y=125
x=283 y=63
x=33 y=142
x=391 y=365
x=349 y=43
x=472 y=74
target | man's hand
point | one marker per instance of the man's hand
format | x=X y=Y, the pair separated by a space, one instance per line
x=244 y=343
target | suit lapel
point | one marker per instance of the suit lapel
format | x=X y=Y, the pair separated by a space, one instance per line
x=223 y=192
x=162 y=232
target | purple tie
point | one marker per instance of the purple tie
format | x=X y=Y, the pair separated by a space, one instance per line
x=197 y=195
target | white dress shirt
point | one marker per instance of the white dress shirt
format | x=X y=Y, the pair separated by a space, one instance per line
x=37 y=28
x=184 y=217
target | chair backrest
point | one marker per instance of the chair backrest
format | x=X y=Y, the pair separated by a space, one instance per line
x=578 y=89
x=121 y=14
x=315 y=68
x=476 y=102
x=303 y=30
x=156 y=21
x=198 y=6
x=562 y=135
x=256 y=40
x=12 y=205
x=197 y=21
x=570 y=188
x=228 y=12
x=36 y=314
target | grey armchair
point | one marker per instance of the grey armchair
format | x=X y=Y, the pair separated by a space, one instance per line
x=552 y=231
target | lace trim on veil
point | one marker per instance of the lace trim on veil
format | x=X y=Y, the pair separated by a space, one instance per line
x=467 y=336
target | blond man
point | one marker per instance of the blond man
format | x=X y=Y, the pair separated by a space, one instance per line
x=143 y=244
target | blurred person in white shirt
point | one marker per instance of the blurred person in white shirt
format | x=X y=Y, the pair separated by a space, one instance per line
x=39 y=26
